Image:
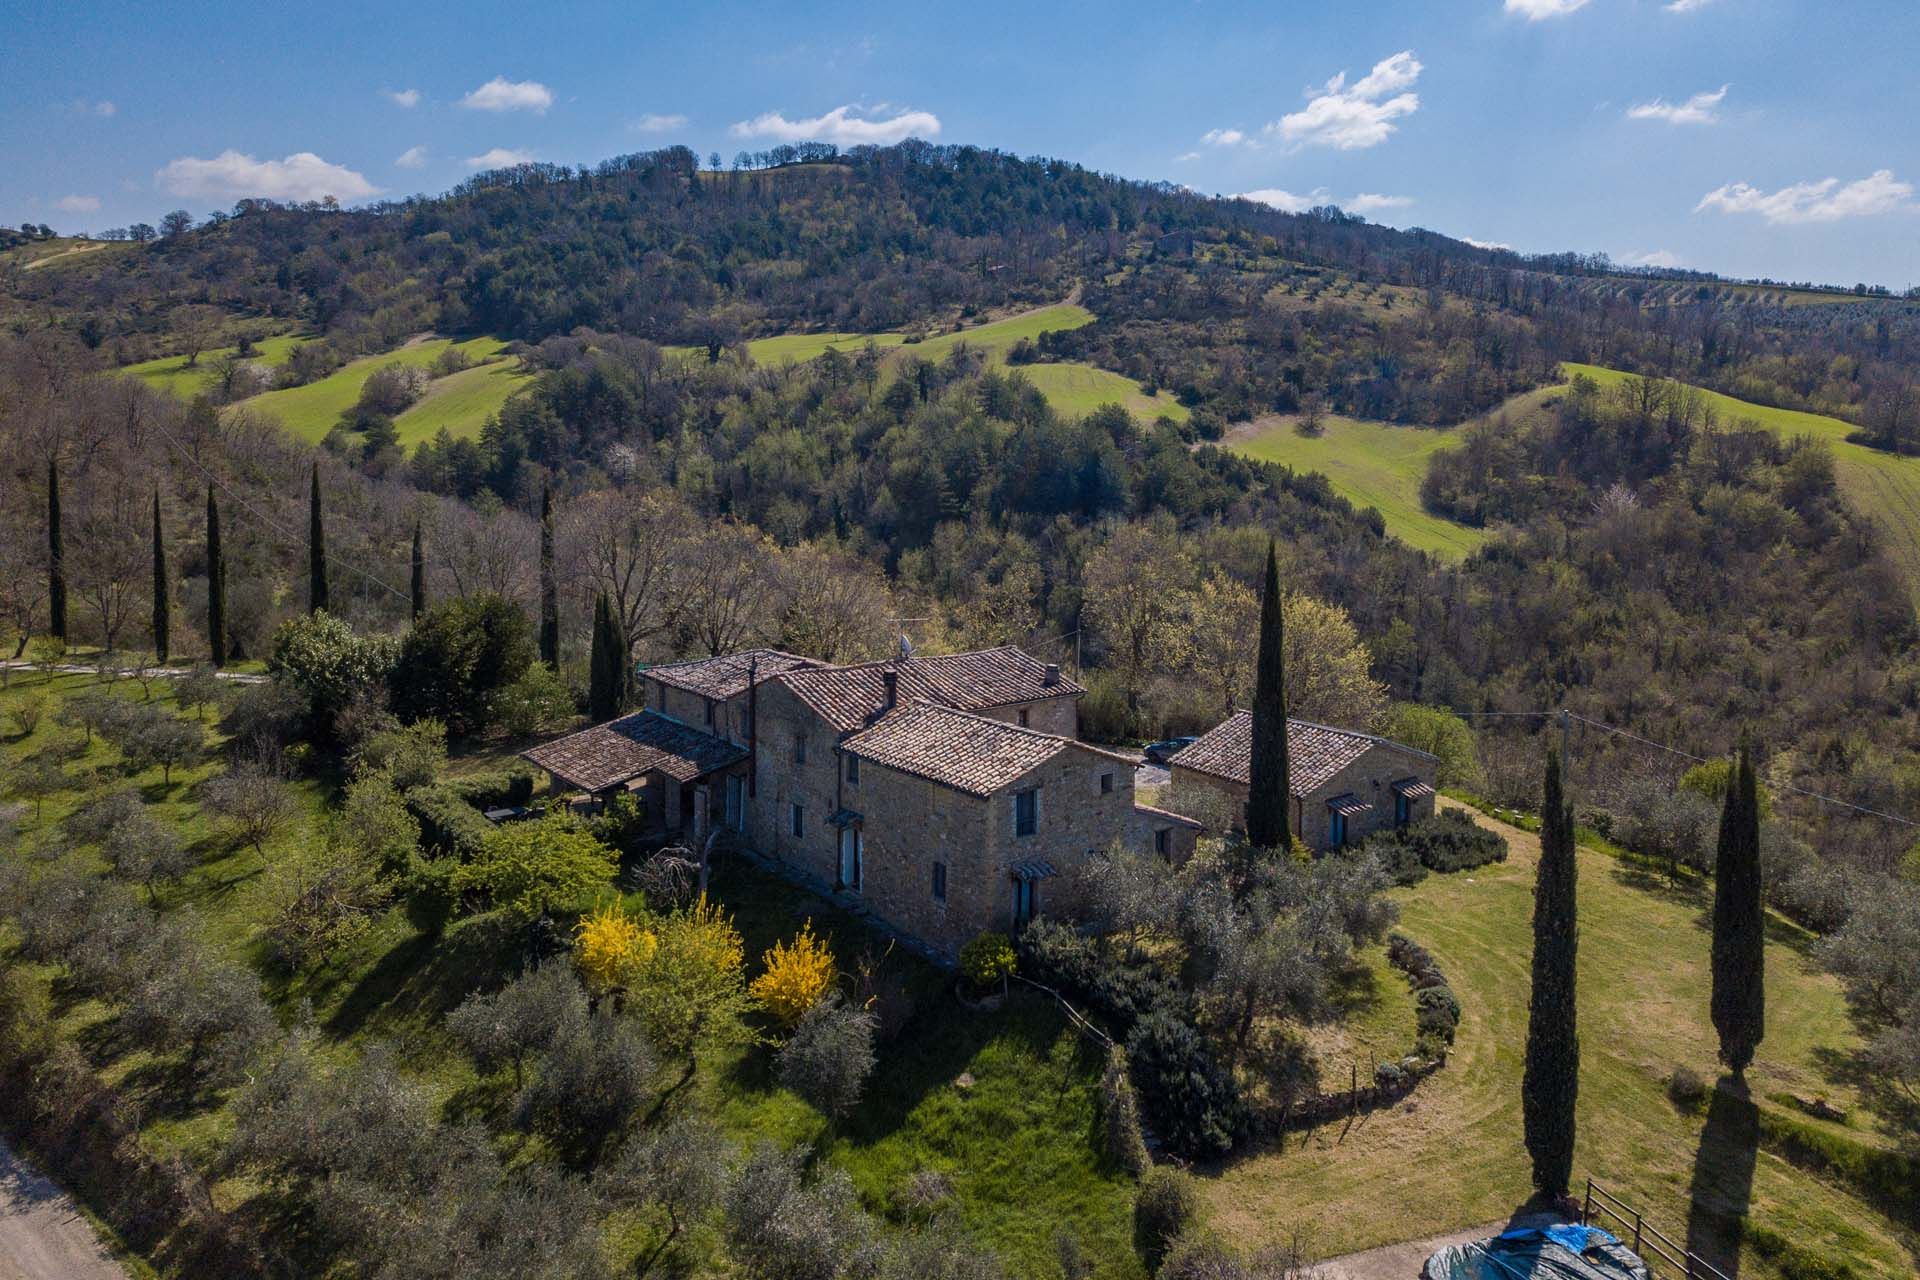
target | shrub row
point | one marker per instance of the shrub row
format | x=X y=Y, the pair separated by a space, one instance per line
x=1448 y=841
x=505 y=788
x=450 y=827
x=1437 y=1014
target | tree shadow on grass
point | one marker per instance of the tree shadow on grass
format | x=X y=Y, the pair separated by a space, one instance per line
x=1695 y=892
x=1722 y=1188
x=423 y=978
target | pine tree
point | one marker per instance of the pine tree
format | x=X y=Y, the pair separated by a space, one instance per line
x=549 y=587
x=1739 y=922
x=316 y=549
x=216 y=585
x=56 y=560
x=1271 y=790
x=1551 y=1085
x=162 y=606
x=607 y=668
x=419 y=573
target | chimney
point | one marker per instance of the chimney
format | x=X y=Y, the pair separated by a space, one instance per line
x=890 y=689
x=1053 y=675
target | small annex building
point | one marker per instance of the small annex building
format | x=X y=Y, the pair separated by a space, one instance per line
x=1346 y=784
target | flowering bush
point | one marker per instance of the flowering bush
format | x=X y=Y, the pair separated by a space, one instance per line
x=987 y=961
x=611 y=947
x=796 y=976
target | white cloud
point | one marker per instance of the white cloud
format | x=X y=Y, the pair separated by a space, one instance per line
x=1827 y=200
x=1652 y=258
x=1687 y=6
x=1535 y=10
x=841 y=125
x=502 y=94
x=1699 y=109
x=1368 y=202
x=1287 y=201
x=500 y=158
x=1350 y=117
x=655 y=122
x=1222 y=138
x=411 y=158
x=301 y=176
x=403 y=97
x=1487 y=244
x=77 y=204
x=103 y=109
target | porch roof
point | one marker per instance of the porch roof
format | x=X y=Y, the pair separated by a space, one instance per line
x=619 y=751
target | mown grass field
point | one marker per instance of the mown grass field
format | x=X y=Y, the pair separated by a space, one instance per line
x=798 y=348
x=1017 y=1143
x=311 y=411
x=173 y=375
x=1371 y=464
x=1451 y=1156
x=1882 y=485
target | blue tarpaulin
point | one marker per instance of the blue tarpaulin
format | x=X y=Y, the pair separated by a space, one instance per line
x=1567 y=1251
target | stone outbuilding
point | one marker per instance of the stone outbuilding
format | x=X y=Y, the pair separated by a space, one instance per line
x=1346 y=785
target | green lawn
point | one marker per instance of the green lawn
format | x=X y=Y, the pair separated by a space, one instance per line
x=311 y=411
x=1078 y=389
x=1882 y=485
x=462 y=402
x=172 y=374
x=1451 y=1157
x=1372 y=464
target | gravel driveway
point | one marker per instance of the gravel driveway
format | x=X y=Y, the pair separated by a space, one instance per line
x=42 y=1235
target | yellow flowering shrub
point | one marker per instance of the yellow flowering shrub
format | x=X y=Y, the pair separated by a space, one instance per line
x=610 y=948
x=796 y=976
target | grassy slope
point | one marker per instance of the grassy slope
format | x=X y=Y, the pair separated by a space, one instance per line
x=1882 y=485
x=1372 y=464
x=310 y=411
x=462 y=402
x=1453 y=1157
x=171 y=374
x=798 y=348
x=1032 y=1075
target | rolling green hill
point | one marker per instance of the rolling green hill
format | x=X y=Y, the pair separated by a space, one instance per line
x=1882 y=485
x=172 y=373
x=1371 y=464
x=460 y=402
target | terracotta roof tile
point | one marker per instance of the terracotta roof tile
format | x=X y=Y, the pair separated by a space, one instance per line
x=1315 y=752
x=620 y=750
x=723 y=677
x=967 y=752
x=1168 y=815
x=849 y=697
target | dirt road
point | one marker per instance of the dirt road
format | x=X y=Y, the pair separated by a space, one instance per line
x=42 y=1235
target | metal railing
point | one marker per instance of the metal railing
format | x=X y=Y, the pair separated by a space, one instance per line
x=1652 y=1245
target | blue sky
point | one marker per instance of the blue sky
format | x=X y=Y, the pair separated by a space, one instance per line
x=1752 y=137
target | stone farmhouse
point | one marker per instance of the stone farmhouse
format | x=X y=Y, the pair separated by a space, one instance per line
x=1345 y=785
x=943 y=795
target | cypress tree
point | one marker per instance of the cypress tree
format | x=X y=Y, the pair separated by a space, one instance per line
x=1739 y=923
x=1270 y=792
x=316 y=549
x=216 y=585
x=1551 y=1085
x=162 y=606
x=549 y=587
x=419 y=573
x=607 y=668
x=56 y=560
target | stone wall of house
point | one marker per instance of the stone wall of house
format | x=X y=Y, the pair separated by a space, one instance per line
x=1076 y=818
x=1370 y=778
x=1173 y=840
x=1059 y=716
x=909 y=825
x=785 y=779
x=729 y=718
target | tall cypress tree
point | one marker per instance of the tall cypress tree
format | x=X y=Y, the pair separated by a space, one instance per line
x=216 y=585
x=316 y=549
x=549 y=586
x=1551 y=1085
x=419 y=573
x=606 y=683
x=162 y=606
x=1270 y=792
x=1739 y=922
x=56 y=560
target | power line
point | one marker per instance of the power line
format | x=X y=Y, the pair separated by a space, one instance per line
x=248 y=507
x=1676 y=751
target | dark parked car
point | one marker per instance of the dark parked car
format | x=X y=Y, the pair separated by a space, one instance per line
x=1161 y=752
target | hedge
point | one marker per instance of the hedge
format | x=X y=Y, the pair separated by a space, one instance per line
x=450 y=827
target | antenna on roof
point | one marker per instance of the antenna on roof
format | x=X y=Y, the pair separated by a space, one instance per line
x=906 y=644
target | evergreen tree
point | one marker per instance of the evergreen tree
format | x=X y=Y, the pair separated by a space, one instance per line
x=1271 y=792
x=607 y=668
x=216 y=585
x=1739 y=923
x=162 y=606
x=419 y=573
x=316 y=549
x=549 y=587
x=1551 y=1085
x=56 y=560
